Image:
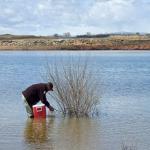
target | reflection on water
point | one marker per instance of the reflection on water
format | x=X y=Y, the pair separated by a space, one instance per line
x=76 y=134
x=36 y=131
x=62 y=134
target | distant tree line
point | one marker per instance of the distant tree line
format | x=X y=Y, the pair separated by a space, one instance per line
x=104 y=35
x=87 y=35
x=93 y=36
x=68 y=35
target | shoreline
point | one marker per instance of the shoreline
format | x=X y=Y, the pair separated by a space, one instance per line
x=89 y=50
x=117 y=42
x=95 y=52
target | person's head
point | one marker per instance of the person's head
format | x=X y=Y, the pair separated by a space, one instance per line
x=50 y=86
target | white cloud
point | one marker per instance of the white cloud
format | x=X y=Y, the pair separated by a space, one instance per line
x=114 y=10
x=76 y=16
x=118 y=16
x=6 y=12
x=4 y=30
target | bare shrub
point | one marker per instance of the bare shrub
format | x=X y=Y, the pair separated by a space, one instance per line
x=75 y=89
x=127 y=147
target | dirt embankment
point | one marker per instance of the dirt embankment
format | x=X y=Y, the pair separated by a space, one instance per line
x=132 y=42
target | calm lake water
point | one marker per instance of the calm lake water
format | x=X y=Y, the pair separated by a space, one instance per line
x=124 y=109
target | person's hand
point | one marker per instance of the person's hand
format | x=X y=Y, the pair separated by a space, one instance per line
x=51 y=108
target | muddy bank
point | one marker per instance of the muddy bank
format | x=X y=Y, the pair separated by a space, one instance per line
x=134 y=42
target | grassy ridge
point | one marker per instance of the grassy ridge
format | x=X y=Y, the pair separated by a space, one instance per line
x=111 y=42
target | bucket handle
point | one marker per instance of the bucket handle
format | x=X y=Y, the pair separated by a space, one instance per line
x=38 y=109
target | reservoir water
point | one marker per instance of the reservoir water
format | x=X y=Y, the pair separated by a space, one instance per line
x=124 y=109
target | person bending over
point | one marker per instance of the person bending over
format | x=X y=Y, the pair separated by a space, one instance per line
x=35 y=93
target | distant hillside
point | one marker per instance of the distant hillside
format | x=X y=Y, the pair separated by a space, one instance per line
x=10 y=36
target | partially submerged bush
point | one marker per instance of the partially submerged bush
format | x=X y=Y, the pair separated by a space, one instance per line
x=75 y=89
x=127 y=147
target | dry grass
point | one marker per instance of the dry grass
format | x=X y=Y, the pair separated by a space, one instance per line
x=75 y=90
x=112 y=42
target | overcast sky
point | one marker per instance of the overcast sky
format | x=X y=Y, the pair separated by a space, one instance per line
x=47 y=17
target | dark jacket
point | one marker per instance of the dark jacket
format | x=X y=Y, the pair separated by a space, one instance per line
x=35 y=93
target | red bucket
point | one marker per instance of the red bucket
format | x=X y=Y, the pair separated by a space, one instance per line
x=39 y=111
